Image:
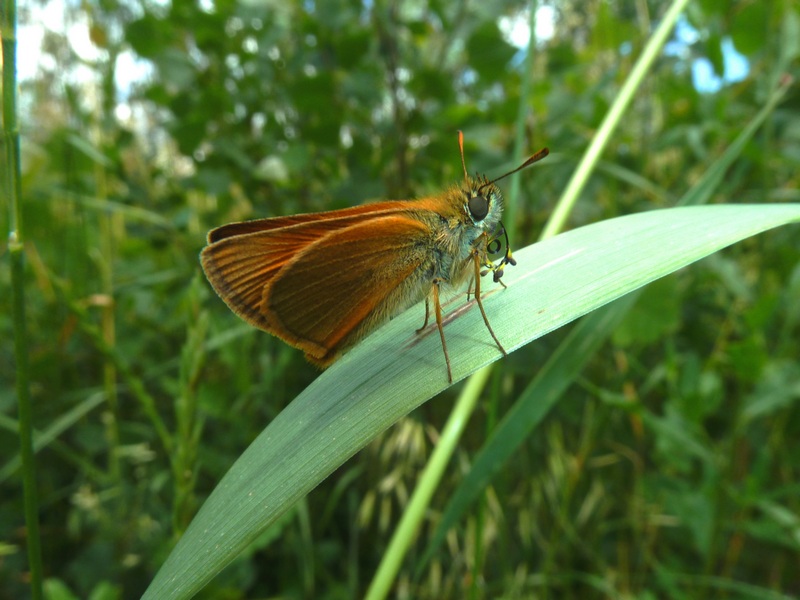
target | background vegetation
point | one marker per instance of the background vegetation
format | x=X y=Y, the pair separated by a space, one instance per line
x=670 y=469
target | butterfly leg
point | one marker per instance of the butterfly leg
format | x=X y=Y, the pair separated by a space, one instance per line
x=427 y=314
x=480 y=304
x=437 y=307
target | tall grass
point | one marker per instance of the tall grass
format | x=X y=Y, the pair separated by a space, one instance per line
x=12 y=190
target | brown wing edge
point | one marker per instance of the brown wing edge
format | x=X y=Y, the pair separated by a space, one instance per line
x=347 y=216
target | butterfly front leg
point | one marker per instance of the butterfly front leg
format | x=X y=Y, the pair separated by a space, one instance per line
x=478 y=261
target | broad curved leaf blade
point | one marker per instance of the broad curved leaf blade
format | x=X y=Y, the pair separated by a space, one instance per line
x=395 y=370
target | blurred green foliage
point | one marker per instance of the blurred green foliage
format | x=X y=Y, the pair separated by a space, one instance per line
x=671 y=471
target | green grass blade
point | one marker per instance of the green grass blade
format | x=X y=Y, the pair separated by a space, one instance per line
x=395 y=370
x=12 y=191
x=43 y=439
x=428 y=483
x=701 y=192
x=651 y=51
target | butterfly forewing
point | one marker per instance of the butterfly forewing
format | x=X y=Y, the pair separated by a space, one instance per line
x=392 y=254
x=242 y=258
x=239 y=267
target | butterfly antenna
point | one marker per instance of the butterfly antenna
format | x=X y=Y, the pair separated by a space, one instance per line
x=461 y=150
x=531 y=159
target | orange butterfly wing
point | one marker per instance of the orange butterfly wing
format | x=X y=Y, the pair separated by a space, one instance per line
x=291 y=276
x=319 y=303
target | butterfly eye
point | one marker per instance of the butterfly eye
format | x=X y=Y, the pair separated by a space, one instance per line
x=478 y=207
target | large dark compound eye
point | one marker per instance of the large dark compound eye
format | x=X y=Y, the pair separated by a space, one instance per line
x=478 y=207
